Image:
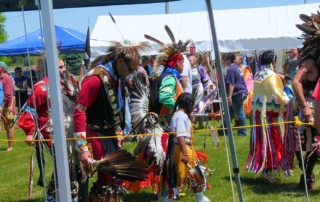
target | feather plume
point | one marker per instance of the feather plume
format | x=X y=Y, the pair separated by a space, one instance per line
x=153 y=39
x=307 y=29
x=311 y=35
x=169 y=32
x=167 y=50
x=99 y=60
x=304 y=18
x=113 y=20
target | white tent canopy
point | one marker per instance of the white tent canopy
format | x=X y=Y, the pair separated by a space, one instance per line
x=237 y=30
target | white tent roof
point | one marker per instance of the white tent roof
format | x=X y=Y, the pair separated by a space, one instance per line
x=237 y=30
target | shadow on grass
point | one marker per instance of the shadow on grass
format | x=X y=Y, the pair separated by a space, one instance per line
x=263 y=186
x=138 y=197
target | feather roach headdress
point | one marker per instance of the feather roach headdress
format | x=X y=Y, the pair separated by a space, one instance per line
x=311 y=36
x=167 y=49
x=119 y=50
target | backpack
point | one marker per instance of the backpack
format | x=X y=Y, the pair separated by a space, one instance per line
x=155 y=105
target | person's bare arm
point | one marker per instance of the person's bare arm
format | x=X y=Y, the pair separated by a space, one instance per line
x=230 y=92
x=298 y=91
x=183 y=147
x=184 y=82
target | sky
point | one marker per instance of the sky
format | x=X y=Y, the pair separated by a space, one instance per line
x=79 y=18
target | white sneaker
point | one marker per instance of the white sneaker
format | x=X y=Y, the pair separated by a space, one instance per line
x=200 y=197
x=206 y=199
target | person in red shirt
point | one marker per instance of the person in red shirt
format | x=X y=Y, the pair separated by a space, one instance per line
x=38 y=100
x=99 y=111
x=7 y=110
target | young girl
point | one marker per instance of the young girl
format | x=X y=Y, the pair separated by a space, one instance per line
x=182 y=156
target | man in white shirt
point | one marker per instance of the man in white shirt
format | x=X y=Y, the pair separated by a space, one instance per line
x=186 y=76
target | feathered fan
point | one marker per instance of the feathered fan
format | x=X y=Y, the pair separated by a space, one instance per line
x=311 y=36
x=120 y=164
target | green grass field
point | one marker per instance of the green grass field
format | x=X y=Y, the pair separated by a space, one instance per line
x=14 y=167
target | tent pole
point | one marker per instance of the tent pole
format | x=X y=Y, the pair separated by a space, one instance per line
x=56 y=101
x=226 y=115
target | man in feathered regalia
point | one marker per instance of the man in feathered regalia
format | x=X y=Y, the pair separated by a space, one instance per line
x=99 y=111
x=304 y=84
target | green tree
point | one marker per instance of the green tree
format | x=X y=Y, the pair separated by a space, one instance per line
x=3 y=35
x=72 y=62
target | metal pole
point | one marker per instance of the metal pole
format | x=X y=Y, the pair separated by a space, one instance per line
x=167 y=8
x=224 y=100
x=56 y=101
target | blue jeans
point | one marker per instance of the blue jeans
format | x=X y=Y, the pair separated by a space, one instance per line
x=237 y=108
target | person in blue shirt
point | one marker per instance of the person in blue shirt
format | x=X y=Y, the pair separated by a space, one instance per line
x=236 y=90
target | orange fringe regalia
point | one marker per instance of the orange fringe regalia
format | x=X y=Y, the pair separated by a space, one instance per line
x=180 y=175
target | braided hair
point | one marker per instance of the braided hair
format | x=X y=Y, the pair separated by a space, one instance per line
x=185 y=101
x=267 y=57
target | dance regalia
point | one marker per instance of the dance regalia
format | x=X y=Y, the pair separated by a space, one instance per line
x=38 y=101
x=268 y=106
x=307 y=133
x=169 y=91
x=98 y=113
x=177 y=175
x=152 y=149
x=248 y=78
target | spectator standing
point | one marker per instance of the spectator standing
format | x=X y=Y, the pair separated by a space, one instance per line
x=202 y=86
x=20 y=82
x=7 y=110
x=145 y=63
x=237 y=92
x=293 y=62
x=186 y=76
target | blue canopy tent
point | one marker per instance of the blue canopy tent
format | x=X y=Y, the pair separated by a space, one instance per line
x=68 y=41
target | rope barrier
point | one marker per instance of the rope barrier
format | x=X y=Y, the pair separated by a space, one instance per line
x=296 y=122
